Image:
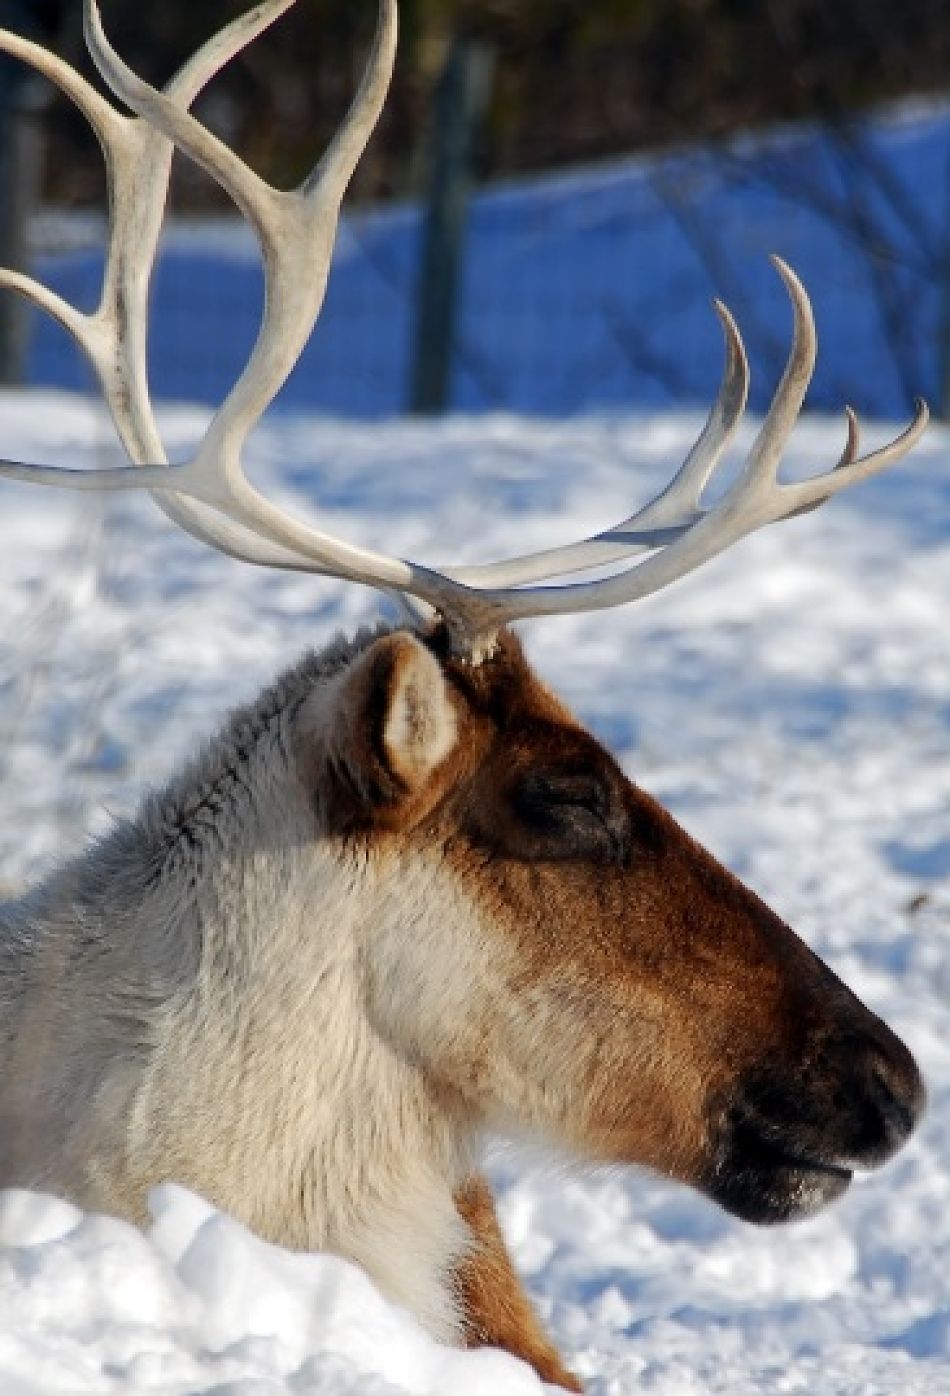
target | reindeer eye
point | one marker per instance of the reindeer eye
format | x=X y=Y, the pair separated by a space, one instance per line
x=563 y=792
x=568 y=815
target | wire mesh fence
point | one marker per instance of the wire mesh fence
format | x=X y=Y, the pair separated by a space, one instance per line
x=589 y=289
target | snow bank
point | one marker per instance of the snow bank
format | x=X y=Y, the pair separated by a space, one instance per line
x=202 y=1305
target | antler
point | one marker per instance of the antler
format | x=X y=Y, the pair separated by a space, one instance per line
x=138 y=162
x=211 y=496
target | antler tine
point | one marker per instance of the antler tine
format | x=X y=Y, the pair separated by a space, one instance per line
x=331 y=175
x=807 y=494
x=679 y=503
x=109 y=128
x=74 y=321
x=853 y=444
x=161 y=112
x=661 y=521
x=94 y=108
x=761 y=468
x=215 y=53
x=848 y=456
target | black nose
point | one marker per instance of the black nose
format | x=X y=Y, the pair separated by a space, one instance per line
x=852 y=1104
x=893 y=1100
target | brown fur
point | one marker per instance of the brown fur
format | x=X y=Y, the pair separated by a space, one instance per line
x=496 y=1311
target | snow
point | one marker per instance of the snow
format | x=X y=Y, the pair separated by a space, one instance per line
x=791 y=705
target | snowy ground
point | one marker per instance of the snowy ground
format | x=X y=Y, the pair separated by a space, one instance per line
x=791 y=705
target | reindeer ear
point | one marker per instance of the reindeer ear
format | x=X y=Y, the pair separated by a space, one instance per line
x=383 y=728
x=417 y=715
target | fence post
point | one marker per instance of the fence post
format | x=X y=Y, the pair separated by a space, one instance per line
x=463 y=97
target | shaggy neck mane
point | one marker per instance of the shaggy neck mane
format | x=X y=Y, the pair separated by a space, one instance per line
x=175 y=823
x=185 y=813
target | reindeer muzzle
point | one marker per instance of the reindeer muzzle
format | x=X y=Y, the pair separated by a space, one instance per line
x=790 y=1140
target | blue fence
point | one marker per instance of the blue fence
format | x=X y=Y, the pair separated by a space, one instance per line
x=592 y=289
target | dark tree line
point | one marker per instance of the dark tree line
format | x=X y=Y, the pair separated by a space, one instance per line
x=573 y=81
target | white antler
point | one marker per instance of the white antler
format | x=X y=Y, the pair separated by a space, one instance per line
x=211 y=496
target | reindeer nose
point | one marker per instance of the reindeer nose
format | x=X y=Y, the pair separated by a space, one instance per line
x=851 y=1108
x=895 y=1099
x=874 y=1090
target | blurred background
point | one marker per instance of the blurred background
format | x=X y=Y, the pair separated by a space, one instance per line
x=555 y=193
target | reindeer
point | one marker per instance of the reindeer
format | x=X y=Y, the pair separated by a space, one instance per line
x=405 y=899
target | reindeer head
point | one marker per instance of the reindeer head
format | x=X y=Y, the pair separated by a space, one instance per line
x=561 y=959
x=582 y=969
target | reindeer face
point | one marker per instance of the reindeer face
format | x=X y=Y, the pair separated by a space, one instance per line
x=575 y=966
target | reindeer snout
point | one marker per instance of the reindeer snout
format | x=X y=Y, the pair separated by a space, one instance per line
x=793 y=1132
